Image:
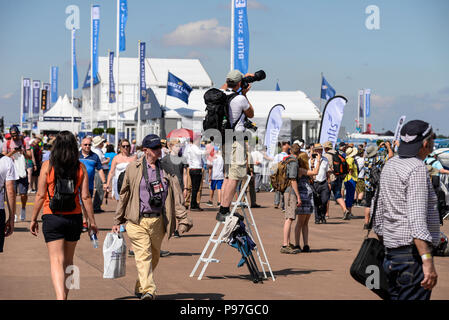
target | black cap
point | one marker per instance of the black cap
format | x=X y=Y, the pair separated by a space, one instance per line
x=151 y=141
x=412 y=135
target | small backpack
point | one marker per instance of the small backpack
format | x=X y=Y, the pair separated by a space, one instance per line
x=217 y=110
x=64 y=197
x=374 y=175
x=340 y=165
x=278 y=179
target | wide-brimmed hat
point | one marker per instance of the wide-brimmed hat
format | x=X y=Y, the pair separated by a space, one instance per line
x=96 y=141
x=371 y=151
x=328 y=145
x=413 y=134
x=351 y=152
x=317 y=146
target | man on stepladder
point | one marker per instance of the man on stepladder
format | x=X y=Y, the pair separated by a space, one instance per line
x=235 y=163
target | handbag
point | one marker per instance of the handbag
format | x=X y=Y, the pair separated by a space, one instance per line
x=371 y=254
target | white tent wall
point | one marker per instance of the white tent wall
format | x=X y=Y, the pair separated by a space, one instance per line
x=59 y=117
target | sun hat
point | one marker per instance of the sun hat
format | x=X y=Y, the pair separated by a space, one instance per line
x=371 y=151
x=317 y=146
x=413 y=134
x=328 y=145
x=351 y=152
x=96 y=141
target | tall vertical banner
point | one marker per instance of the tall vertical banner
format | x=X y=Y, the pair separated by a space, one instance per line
x=361 y=104
x=47 y=87
x=274 y=125
x=75 y=69
x=331 y=121
x=143 y=90
x=111 y=78
x=26 y=98
x=400 y=124
x=95 y=36
x=36 y=97
x=123 y=17
x=241 y=36
x=367 y=102
x=54 y=84
x=44 y=93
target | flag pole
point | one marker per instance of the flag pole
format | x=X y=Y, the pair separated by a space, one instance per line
x=321 y=85
x=71 y=53
x=117 y=97
x=232 y=33
x=139 y=102
x=91 y=73
x=21 y=104
x=364 y=111
x=358 y=110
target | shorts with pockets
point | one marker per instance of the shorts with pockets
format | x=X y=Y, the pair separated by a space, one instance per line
x=21 y=185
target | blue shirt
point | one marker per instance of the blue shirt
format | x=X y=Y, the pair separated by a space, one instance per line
x=92 y=162
x=110 y=156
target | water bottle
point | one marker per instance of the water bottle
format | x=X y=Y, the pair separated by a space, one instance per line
x=94 y=239
x=122 y=228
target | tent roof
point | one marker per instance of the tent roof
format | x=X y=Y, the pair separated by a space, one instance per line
x=156 y=71
x=297 y=105
x=62 y=108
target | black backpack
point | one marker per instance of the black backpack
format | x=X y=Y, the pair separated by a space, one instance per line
x=374 y=177
x=340 y=165
x=64 y=198
x=120 y=179
x=217 y=110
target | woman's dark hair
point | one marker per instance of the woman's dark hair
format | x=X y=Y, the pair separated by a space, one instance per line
x=110 y=148
x=64 y=157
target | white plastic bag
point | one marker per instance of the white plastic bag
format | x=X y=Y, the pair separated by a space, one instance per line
x=114 y=253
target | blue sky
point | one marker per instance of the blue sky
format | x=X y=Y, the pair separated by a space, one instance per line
x=404 y=63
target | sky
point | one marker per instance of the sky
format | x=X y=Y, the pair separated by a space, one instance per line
x=404 y=62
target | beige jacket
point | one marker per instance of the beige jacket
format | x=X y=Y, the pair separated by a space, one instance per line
x=128 y=208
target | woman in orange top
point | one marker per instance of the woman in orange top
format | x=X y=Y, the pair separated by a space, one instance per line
x=62 y=230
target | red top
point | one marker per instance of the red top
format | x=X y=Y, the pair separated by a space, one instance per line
x=51 y=190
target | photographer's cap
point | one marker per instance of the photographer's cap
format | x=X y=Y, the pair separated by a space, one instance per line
x=151 y=141
x=412 y=135
x=235 y=76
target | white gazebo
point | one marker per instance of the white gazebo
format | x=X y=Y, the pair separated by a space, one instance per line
x=62 y=116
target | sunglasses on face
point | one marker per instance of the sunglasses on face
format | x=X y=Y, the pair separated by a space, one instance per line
x=87 y=145
x=126 y=146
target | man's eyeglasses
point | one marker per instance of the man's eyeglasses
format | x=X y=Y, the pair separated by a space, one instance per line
x=87 y=145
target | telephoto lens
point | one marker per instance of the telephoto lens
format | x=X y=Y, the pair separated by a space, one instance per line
x=258 y=76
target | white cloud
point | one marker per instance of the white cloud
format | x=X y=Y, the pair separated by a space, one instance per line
x=8 y=95
x=204 y=33
x=252 y=4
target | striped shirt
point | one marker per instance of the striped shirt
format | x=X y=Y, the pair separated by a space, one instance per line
x=407 y=205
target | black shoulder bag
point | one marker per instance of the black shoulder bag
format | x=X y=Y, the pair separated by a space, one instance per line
x=371 y=254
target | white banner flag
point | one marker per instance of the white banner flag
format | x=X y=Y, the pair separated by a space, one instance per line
x=331 y=121
x=274 y=125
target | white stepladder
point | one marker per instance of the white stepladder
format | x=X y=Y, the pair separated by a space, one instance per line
x=219 y=240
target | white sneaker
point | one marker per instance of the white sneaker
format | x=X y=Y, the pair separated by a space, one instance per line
x=23 y=214
x=15 y=218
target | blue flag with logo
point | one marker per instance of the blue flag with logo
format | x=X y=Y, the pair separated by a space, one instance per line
x=36 y=97
x=327 y=91
x=178 y=88
x=95 y=36
x=143 y=86
x=367 y=102
x=241 y=36
x=87 y=79
x=277 y=87
x=75 y=69
x=111 y=78
x=123 y=16
x=26 y=85
x=54 y=84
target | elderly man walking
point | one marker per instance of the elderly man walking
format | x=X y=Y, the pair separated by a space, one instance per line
x=150 y=199
x=406 y=218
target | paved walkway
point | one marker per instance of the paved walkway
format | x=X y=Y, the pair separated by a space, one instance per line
x=321 y=274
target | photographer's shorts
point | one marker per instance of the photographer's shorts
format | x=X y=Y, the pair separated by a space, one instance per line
x=62 y=226
x=21 y=185
x=237 y=170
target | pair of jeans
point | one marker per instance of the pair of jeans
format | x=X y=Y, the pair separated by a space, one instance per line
x=350 y=192
x=196 y=176
x=322 y=189
x=403 y=267
x=279 y=198
x=99 y=192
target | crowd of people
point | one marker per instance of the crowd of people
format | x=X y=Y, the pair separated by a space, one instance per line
x=156 y=183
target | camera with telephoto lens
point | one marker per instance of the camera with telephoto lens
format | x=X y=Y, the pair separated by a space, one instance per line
x=258 y=76
x=248 y=124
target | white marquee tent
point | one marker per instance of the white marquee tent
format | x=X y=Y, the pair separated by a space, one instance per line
x=59 y=117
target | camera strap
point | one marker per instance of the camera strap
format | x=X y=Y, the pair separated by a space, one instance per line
x=149 y=184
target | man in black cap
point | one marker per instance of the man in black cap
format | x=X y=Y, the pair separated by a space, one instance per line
x=150 y=201
x=406 y=216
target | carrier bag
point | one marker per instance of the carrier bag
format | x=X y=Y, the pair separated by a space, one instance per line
x=114 y=253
